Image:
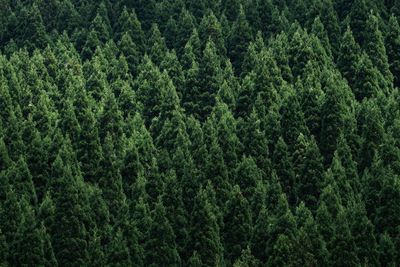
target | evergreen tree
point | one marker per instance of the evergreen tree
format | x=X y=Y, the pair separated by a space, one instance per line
x=367 y=79
x=237 y=225
x=211 y=78
x=239 y=39
x=118 y=251
x=348 y=57
x=342 y=244
x=69 y=234
x=375 y=47
x=292 y=121
x=111 y=184
x=161 y=248
x=333 y=119
x=30 y=241
x=205 y=231
x=283 y=165
x=392 y=46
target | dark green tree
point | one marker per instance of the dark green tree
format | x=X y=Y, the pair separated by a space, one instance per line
x=205 y=231
x=392 y=43
x=161 y=248
x=69 y=233
x=375 y=47
x=237 y=224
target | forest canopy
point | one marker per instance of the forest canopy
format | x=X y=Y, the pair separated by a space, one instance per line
x=199 y=133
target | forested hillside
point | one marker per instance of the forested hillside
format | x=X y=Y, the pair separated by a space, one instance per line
x=199 y=133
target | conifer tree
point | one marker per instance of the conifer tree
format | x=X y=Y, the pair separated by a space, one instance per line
x=342 y=244
x=217 y=171
x=283 y=165
x=11 y=218
x=255 y=143
x=160 y=248
x=258 y=244
x=367 y=79
x=309 y=171
x=210 y=75
x=118 y=251
x=292 y=121
x=111 y=184
x=30 y=241
x=392 y=43
x=175 y=212
x=387 y=250
x=69 y=215
x=239 y=39
x=20 y=178
x=237 y=224
x=205 y=231
x=157 y=46
x=210 y=29
x=332 y=119
x=89 y=149
x=363 y=232
x=375 y=47
x=358 y=20
x=371 y=125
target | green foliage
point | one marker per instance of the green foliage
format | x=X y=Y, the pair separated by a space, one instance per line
x=199 y=133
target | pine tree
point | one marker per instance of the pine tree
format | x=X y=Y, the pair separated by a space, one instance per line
x=258 y=244
x=348 y=57
x=330 y=20
x=148 y=92
x=292 y=121
x=129 y=24
x=311 y=101
x=313 y=248
x=375 y=47
x=217 y=171
x=210 y=30
x=31 y=28
x=69 y=231
x=392 y=43
x=118 y=253
x=246 y=259
x=3 y=250
x=309 y=172
x=175 y=212
x=30 y=243
x=210 y=75
x=21 y=180
x=371 y=126
x=186 y=25
x=255 y=143
x=283 y=165
x=239 y=39
x=205 y=231
x=367 y=79
x=358 y=20
x=387 y=250
x=157 y=45
x=364 y=234
x=332 y=119
x=130 y=51
x=161 y=248
x=11 y=218
x=343 y=247
x=111 y=184
x=89 y=149
x=237 y=224
x=281 y=233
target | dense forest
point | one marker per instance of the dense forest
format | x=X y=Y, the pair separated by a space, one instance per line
x=199 y=133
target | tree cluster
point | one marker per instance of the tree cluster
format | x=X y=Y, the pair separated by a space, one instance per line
x=199 y=133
